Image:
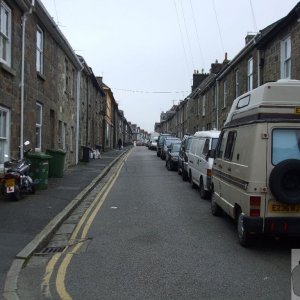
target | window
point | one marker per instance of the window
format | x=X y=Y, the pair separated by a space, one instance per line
x=5 y=34
x=250 y=74
x=66 y=76
x=38 y=126
x=215 y=96
x=237 y=83
x=39 y=50
x=225 y=93
x=4 y=133
x=230 y=145
x=203 y=105
x=285 y=144
x=63 y=136
x=286 y=58
x=221 y=146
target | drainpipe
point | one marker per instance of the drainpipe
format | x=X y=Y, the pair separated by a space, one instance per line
x=78 y=115
x=24 y=19
x=217 y=87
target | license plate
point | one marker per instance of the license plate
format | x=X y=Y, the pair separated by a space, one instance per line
x=277 y=207
x=10 y=185
x=9 y=182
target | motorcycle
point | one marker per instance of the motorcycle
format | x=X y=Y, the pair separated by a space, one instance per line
x=16 y=180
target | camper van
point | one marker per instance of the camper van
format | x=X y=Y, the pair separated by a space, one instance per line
x=199 y=162
x=256 y=170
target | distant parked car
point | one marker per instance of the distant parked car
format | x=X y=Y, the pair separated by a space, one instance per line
x=172 y=156
x=153 y=143
x=183 y=157
x=160 y=142
x=167 y=142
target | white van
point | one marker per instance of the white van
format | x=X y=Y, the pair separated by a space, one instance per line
x=199 y=163
x=256 y=171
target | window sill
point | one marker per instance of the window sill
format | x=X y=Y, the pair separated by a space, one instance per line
x=8 y=69
x=41 y=76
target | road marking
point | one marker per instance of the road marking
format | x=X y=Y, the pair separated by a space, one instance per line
x=86 y=219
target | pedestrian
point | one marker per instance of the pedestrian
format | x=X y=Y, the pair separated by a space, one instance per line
x=120 y=144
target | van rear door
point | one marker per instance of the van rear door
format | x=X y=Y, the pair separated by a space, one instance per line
x=284 y=158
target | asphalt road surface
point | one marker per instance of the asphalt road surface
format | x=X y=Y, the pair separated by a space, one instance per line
x=155 y=238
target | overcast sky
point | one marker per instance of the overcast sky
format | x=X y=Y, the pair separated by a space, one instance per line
x=147 y=50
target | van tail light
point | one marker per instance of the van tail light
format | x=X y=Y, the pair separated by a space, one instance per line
x=209 y=172
x=255 y=206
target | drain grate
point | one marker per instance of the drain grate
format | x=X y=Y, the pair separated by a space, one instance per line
x=51 y=250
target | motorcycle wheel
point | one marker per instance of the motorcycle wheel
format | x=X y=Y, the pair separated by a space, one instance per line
x=17 y=193
x=33 y=189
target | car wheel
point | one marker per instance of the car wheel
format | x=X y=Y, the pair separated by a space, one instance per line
x=215 y=209
x=203 y=193
x=168 y=164
x=284 y=181
x=179 y=170
x=184 y=175
x=244 y=237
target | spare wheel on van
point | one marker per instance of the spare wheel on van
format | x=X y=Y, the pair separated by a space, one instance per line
x=284 y=181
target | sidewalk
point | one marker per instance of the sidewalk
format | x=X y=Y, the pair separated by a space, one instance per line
x=23 y=221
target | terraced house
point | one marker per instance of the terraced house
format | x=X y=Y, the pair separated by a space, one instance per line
x=270 y=55
x=48 y=94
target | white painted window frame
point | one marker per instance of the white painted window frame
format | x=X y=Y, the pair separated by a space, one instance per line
x=38 y=127
x=285 y=62
x=250 y=74
x=5 y=34
x=39 y=50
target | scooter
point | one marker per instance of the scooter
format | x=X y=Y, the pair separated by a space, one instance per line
x=16 y=180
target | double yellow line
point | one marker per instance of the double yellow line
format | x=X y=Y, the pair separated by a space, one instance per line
x=83 y=226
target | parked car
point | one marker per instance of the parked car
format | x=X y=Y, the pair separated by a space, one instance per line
x=183 y=158
x=167 y=142
x=160 y=142
x=256 y=169
x=153 y=143
x=199 y=163
x=172 y=156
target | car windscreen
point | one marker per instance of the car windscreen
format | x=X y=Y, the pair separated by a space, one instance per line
x=285 y=144
x=176 y=147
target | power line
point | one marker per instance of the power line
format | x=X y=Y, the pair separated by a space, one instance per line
x=182 y=40
x=187 y=34
x=220 y=35
x=198 y=39
x=149 y=92
x=253 y=17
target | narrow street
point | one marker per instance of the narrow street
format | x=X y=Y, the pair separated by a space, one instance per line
x=153 y=237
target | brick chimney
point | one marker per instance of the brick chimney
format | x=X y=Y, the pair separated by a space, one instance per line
x=249 y=37
x=198 y=78
x=216 y=67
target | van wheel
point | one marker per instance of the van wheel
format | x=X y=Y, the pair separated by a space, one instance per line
x=284 y=181
x=215 y=209
x=244 y=237
x=203 y=193
x=193 y=185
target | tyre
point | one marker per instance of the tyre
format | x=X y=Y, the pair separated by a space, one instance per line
x=244 y=237
x=179 y=169
x=193 y=185
x=168 y=164
x=16 y=195
x=215 y=209
x=33 y=189
x=284 y=181
x=203 y=193
x=185 y=176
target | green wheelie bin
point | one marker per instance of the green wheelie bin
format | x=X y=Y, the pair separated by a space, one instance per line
x=39 y=169
x=56 y=163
